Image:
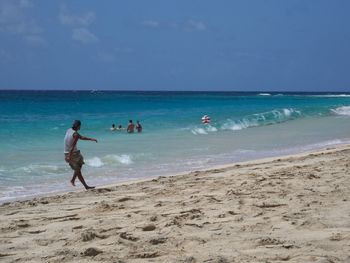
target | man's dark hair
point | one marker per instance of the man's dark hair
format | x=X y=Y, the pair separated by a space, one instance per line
x=76 y=124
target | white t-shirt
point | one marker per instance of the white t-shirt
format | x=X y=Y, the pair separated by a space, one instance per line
x=68 y=141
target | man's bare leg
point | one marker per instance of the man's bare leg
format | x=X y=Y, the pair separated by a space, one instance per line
x=78 y=174
x=72 y=181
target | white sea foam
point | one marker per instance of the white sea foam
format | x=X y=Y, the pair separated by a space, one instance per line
x=264 y=94
x=196 y=131
x=40 y=169
x=211 y=128
x=94 y=162
x=237 y=125
x=204 y=130
x=113 y=158
x=254 y=120
x=345 y=110
x=261 y=119
x=326 y=143
x=198 y=163
x=287 y=112
x=314 y=146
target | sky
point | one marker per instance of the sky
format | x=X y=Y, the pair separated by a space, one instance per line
x=223 y=45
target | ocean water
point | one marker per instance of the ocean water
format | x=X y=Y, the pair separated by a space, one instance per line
x=244 y=126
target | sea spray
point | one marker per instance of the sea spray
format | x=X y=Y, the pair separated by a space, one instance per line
x=344 y=110
x=94 y=162
x=118 y=159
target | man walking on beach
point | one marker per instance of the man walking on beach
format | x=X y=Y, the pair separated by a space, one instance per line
x=72 y=155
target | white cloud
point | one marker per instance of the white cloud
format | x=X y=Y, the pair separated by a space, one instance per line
x=83 y=35
x=25 y=4
x=105 y=57
x=151 y=23
x=12 y=18
x=79 y=25
x=5 y=56
x=35 y=40
x=15 y=20
x=174 y=25
x=193 y=25
x=83 y=20
x=189 y=25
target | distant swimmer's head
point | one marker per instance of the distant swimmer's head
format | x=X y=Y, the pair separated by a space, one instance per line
x=76 y=125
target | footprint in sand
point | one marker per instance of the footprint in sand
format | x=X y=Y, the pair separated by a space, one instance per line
x=157 y=241
x=150 y=227
x=90 y=235
x=91 y=252
x=128 y=236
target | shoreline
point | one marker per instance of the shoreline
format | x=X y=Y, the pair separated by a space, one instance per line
x=292 y=208
x=79 y=188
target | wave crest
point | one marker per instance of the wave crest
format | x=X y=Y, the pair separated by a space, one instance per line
x=344 y=111
x=110 y=159
x=122 y=159
x=261 y=119
x=204 y=130
x=94 y=162
x=254 y=120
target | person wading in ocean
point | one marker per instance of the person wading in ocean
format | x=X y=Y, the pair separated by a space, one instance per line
x=131 y=127
x=72 y=155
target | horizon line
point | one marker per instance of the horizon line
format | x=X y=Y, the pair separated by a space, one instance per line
x=192 y=91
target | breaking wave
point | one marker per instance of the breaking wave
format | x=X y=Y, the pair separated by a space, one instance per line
x=254 y=120
x=111 y=159
x=345 y=111
x=94 y=162
x=204 y=130
x=38 y=169
x=261 y=119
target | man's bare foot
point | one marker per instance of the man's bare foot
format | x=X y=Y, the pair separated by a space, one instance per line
x=72 y=182
x=89 y=187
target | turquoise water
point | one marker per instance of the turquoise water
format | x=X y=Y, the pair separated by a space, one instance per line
x=244 y=126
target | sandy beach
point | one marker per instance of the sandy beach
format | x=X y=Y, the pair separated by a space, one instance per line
x=288 y=209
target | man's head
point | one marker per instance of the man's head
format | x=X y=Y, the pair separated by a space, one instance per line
x=76 y=125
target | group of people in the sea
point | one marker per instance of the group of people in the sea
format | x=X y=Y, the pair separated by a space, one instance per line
x=130 y=129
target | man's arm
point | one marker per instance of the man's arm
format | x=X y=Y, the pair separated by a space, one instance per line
x=86 y=138
x=76 y=137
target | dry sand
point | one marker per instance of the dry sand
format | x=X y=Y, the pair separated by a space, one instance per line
x=291 y=209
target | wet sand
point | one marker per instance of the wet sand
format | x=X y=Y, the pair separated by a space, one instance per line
x=288 y=209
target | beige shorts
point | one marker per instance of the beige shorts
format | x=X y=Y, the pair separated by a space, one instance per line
x=76 y=160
